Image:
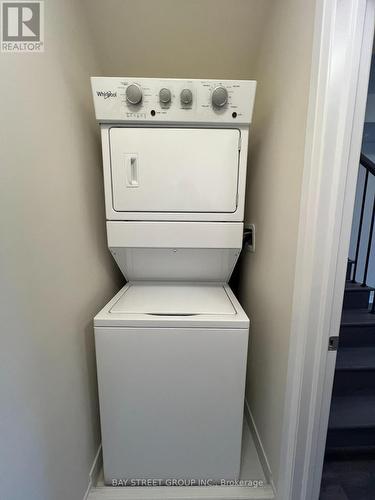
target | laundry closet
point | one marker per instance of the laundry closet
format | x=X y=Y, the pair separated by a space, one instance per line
x=126 y=200
x=192 y=373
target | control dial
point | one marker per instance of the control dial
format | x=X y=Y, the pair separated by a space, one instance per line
x=133 y=94
x=219 y=96
x=165 y=96
x=186 y=96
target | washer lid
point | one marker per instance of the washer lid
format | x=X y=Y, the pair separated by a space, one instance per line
x=173 y=299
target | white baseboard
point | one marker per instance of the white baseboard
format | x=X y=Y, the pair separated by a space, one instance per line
x=94 y=471
x=182 y=493
x=259 y=446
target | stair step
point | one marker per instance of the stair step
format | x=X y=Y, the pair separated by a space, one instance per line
x=357 y=328
x=350 y=444
x=357 y=336
x=357 y=287
x=356 y=296
x=357 y=317
x=356 y=358
x=350 y=382
x=352 y=412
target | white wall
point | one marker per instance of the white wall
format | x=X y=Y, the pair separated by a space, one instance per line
x=55 y=269
x=370 y=105
x=366 y=223
x=368 y=148
x=273 y=196
x=370 y=108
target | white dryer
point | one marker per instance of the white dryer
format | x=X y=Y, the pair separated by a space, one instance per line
x=171 y=346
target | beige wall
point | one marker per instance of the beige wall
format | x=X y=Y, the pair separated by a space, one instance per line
x=178 y=38
x=273 y=196
x=55 y=269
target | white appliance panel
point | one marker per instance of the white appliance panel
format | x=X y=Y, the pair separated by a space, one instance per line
x=201 y=251
x=113 y=215
x=216 y=313
x=112 y=104
x=173 y=299
x=174 y=170
x=177 y=264
x=171 y=402
x=167 y=234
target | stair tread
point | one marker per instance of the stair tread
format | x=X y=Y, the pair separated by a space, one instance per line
x=357 y=317
x=356 y=358
x=352 y=412
x=357 y=287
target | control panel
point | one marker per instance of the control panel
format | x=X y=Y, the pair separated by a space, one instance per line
x=173 y=100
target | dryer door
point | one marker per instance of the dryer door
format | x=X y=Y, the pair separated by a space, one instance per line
x=174 y=170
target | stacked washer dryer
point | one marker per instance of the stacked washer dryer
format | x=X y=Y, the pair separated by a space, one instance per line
x=171 y=346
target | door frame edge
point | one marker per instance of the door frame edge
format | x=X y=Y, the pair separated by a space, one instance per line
x=337 y=100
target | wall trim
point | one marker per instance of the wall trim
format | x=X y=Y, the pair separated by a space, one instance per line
x=259 y=446
x=94 y=471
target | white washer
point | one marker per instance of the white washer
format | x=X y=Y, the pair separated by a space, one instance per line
x=171 y=361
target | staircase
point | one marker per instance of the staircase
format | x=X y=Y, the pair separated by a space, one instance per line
x=351 y=429
x=352 y=419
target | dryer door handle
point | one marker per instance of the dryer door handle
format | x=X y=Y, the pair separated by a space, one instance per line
x=131 y=165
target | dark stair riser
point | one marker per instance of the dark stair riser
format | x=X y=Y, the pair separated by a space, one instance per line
x=356 y=336
x=350 y=440
x=349 y=382
x=356 y=299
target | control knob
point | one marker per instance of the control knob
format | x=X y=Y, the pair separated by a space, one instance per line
x=165 y=96
x=219 y=96
x=186 y=96
x=133 y=94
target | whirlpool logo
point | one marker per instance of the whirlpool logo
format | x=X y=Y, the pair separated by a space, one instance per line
x=22 y=27
x=106 y=93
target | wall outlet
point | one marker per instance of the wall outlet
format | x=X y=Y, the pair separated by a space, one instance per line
x=249 y=237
